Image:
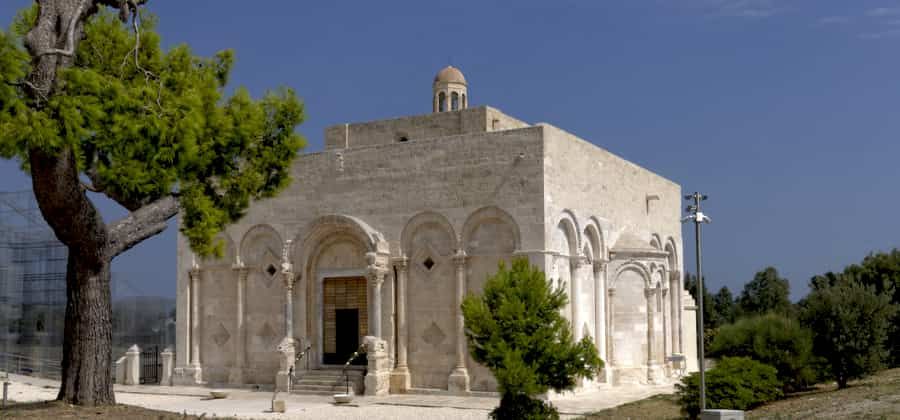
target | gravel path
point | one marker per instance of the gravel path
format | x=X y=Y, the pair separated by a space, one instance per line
x=256 y=405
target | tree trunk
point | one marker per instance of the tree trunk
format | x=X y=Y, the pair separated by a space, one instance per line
x=86 y=374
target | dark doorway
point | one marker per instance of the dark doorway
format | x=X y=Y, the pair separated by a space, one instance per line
x=344 y=319
x=347 y=321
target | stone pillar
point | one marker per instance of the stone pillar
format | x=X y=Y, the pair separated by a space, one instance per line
x=577 y=265
x=120 y=370
x=376 y=272
x=287 y=348
x=600 y=312
x=168 y=364
x=195 y=325
x=654 y=370
x=378 y=374
x=133 y=366
x=459 y=378
x=192 y=374
x=236 y=376
x=400 y=375
x=610 y=330
x=666 y=329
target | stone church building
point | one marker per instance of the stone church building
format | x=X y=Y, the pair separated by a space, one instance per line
x=381 y=235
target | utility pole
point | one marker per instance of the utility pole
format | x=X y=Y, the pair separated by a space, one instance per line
x=699 y=218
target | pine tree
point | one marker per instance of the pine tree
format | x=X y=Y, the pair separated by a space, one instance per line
x=516 y=329
x=89 y=102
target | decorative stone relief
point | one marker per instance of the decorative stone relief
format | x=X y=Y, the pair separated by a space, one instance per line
x=221 y=335
x=433 y=335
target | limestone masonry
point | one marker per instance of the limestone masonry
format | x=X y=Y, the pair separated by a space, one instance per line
x=380 y=236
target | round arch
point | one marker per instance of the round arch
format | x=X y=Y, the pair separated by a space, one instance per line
x=263 y=233
x=423 y=219
x=485 y=214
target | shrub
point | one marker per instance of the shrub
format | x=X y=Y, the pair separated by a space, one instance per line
x=737 y=383
x=850 y=324
x=523 y=407
x=517 y=330
x=772 y=339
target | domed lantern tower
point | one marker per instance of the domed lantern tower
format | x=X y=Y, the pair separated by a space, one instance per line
x=449 y=91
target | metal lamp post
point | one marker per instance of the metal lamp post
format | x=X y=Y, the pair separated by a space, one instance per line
x=699 y=218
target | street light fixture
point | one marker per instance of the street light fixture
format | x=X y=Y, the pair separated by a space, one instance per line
x=699 y=218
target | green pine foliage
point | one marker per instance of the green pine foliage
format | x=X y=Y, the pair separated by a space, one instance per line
x=767 y=292
x=737 y=383
x=851 y=323
x=516 y=329
x=146 y=123
x=773 y=339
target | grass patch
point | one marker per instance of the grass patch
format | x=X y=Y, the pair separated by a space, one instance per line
x=662 y=407
x=56 y=410
x=876 y=397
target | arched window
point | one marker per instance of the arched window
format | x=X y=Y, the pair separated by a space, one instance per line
x=454 y=101
x=442 y=102
x=464 y=105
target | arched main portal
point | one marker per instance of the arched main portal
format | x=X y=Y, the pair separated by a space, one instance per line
x=340 y=287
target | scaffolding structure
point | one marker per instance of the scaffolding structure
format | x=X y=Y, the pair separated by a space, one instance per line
x=32 y=280
x=33 y=295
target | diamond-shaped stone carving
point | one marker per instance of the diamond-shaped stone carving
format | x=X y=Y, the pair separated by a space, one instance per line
x=221 y=336
x=270 y=267
x=433 y=335
x=268 y=334
x=428 y=263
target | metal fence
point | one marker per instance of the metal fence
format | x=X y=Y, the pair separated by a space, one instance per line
x=23 y=365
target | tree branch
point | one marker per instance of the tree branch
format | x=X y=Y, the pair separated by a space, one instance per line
x=141 y=224
x=70 y=35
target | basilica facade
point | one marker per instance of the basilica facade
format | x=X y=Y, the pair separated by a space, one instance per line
x=381 y=235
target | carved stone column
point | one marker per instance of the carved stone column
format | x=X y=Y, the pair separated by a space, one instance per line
x=400 y=381
x=195 y=319
x=236 y=376
x=600 y=311
x=578 y=264
x=459 y=378
x=287 y=348
x=654 y=370
x=610 y=319
x=376 y=272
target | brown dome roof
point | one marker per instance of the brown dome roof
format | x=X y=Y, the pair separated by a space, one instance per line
x=450 y=74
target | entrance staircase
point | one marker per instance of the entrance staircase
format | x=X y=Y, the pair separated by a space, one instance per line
x=328 y=382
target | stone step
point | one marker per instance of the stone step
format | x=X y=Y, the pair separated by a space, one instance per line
x=306 y=387
x=305 y=392
x=322 y=381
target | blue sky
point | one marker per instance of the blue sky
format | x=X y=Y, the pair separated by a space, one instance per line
x=785 y=112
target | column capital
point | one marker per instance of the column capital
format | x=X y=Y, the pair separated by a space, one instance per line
x=288 y=278
x=402 y=262
x=579 y=261
x=599 y=265
x=611 y=291
x=460 y=257
x=194 y=273
x=650 y=291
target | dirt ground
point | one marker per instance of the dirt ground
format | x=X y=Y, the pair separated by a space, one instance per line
x=876 y=397
x=56 y=410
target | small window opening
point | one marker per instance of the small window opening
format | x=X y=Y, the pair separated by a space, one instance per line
x=464 y=105
x=454 y=101
x=403 y=139
x=428 y=263
x=442 y=102
x=271 y=270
